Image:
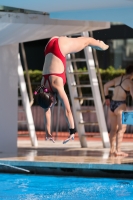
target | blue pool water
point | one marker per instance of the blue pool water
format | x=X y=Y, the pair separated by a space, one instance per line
x=40 y=187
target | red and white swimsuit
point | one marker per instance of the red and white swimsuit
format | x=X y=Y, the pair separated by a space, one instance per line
x=53 y=47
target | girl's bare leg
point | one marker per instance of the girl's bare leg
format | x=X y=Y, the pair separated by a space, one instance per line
x=112 y=141
x=113 y=131
x=119 y=138
x=69 y=45
x=89 y=41
x=99 y=45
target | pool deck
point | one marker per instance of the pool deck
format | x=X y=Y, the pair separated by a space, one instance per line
x=70 y=159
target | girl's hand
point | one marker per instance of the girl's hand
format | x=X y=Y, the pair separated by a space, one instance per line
x=50 y=138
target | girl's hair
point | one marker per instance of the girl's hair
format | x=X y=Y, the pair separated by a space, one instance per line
x=129 y=69
x=43 y=97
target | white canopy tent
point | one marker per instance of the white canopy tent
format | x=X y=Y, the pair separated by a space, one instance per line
x=16 y=28
x=20 y=27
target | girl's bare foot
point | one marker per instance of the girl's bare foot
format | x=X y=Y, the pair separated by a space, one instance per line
x=112 y=154
x=112 y=151
x=120 y=153
x=101 y=46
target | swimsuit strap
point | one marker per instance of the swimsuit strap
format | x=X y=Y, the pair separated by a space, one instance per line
x=125 y=79
x=122 y=87
x=46 y=76
x=122 y=80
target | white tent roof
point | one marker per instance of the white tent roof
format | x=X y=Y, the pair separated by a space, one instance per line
x=65 y=17
x=19 y=27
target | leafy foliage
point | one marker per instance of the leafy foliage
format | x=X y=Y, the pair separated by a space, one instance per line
x=106 y=75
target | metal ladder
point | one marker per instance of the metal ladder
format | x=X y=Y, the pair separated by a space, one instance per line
x=26 y=105
x=75 y=89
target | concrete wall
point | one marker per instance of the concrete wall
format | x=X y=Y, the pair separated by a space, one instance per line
x=8 y=99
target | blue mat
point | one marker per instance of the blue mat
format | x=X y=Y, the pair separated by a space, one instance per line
x=127 y=117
